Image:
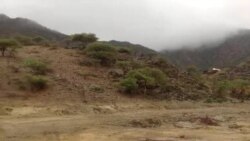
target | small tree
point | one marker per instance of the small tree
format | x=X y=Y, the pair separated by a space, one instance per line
x=104 y=53
x=85 y=38
x=143 y=79
x=6 y=44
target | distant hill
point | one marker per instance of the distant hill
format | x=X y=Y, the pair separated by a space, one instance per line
x=21 y=26
x=241 y=71
x=136 y=47
x=232 y=51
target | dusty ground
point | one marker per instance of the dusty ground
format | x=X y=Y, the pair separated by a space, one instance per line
x=140 y=121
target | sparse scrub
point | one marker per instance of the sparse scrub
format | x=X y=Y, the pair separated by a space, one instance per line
x=96 y=88
x=89 y=62
x=24 y=40
x=86 y=74
x=105 y=53
x=36 y=83
x=38 y=67
x=41 y=41
x=235 y=88
x=194 y=72
x=124 y=65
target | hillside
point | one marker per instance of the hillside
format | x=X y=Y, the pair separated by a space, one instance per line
x=139 y=49
x=232 y=51
x=21 y=26
x=241 y=71
x=75 y=75
x=82 y=99
x=53 y=92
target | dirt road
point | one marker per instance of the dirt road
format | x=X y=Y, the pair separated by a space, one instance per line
x=156 y=122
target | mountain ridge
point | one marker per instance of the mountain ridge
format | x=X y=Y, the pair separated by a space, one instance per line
x=232 y=51
x=23 y=26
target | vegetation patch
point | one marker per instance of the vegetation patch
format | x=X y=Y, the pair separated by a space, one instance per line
x=124 y=50
x=237 y=88
x=84 y=39
x=146 y=123
x=96 y=88
x=124 y=65
x=8 y=45
x=36 y=83
x=38 y=67
x=105 y=53
x=24 y=40
x=143 y=79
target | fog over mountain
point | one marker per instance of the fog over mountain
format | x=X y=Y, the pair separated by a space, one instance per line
x=158 y=24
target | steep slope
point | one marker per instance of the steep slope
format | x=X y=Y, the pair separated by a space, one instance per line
x=232 y=51
x=21 y=26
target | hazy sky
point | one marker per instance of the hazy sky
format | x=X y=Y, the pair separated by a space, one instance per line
x=158 y=24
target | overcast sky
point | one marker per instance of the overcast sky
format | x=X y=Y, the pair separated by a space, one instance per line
x=159 y=24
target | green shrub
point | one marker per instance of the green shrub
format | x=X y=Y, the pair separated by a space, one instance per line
x=129 y=85
x=124 y=50
x=124 y=65
x=37 y=83
x=137 y=64
x=37 y=67
x=145 y=78
x=151 y=77
x=105 y=53
x=24 y=40
x=41 y=41
x=85 y=38
x=233 y=88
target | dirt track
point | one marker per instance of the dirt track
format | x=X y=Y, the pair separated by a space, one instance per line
x=157 y=122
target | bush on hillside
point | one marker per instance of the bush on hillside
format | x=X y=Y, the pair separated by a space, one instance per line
x=84 y=38
x=36 y=83
x=129 y=85
x=41 y=41
x=124 y=50
x=143 y=79
x=124 y=65
x=24 y=40
x=37 y=66
x=8 y=45
x=105 y=53
x=236 y=88
x=193 y=71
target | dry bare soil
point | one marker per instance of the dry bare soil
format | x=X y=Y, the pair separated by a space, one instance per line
x=140 y=121
x=70 y=111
